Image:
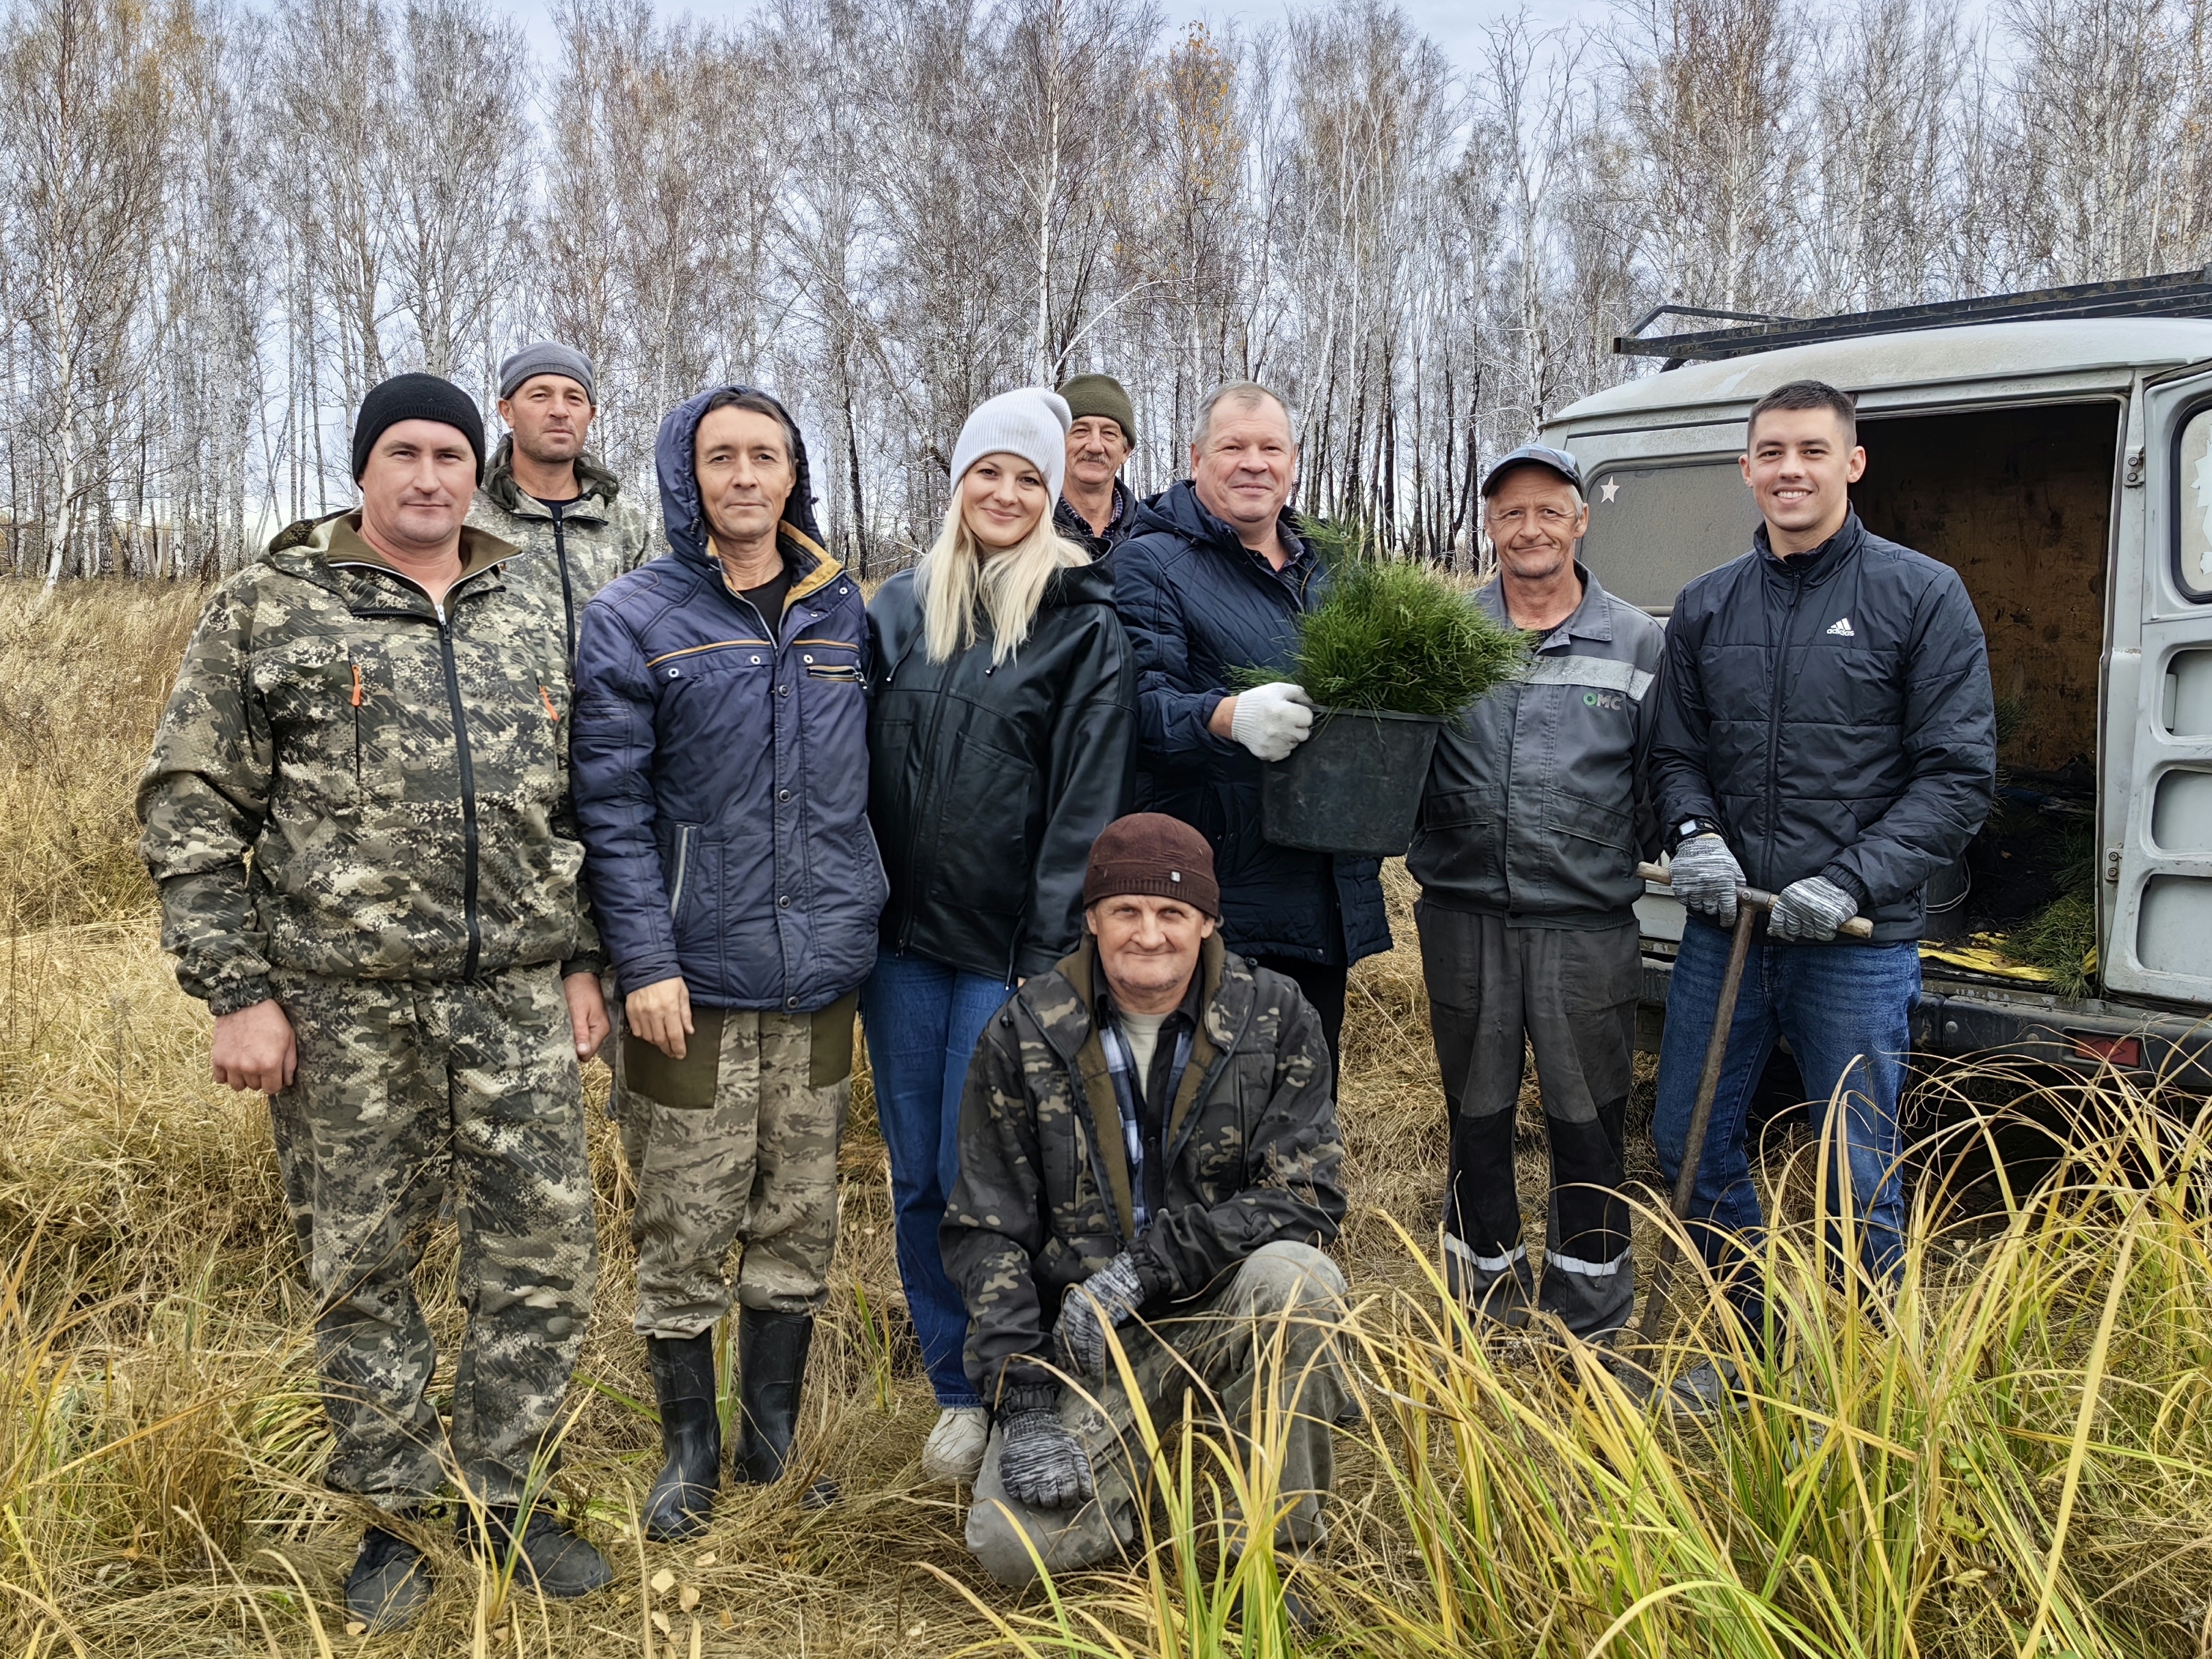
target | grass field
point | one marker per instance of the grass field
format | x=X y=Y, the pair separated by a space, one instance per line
x=2020 y=1461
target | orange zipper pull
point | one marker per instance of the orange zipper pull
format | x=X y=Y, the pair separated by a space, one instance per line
x=356 y=685
x=551 y=713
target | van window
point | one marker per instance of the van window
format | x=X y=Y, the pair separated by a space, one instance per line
x=1653 y=527
x=2194 y=477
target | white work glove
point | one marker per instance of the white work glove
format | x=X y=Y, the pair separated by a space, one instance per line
x=1812 y=908
x=1705 y=876
x=1271 y=720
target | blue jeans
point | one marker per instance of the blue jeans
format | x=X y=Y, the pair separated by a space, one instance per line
x=1847 y=1011
x=922 y=1020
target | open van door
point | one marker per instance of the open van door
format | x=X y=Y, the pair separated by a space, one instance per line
x=2159 y=943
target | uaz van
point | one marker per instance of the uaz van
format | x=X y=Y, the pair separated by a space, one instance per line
x=2063 y=468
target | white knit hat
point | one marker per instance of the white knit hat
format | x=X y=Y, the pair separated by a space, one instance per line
x=1031 y=423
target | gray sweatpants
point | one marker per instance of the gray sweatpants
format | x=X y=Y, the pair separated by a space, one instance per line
x=1495 y=990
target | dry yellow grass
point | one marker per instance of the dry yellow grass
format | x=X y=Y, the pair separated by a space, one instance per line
x=141 y=1206
x=2027 y=1470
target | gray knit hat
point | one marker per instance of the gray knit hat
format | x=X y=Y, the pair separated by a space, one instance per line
x=547 y=357
x=1031 y=422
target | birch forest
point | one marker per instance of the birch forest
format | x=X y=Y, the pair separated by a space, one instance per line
x=220 y=225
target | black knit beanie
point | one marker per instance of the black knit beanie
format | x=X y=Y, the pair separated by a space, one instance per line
x=415 y=397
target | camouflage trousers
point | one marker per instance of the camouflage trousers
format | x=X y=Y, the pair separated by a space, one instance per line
x=1270 y=1326
x=757 y=1169
x=402 y=1088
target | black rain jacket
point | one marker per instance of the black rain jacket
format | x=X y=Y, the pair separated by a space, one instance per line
x=1831 y=712
x=988 y=783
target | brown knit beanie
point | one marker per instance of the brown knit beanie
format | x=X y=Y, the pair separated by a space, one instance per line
x=1152 y=853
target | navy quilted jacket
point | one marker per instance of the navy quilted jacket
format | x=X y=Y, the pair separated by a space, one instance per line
x=720 y=765
x=1199 y=606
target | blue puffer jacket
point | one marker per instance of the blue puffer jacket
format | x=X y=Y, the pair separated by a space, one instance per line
x=720 y=766
x=1199 y=606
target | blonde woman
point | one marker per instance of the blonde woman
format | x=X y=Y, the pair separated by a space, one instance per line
x=1001 y=740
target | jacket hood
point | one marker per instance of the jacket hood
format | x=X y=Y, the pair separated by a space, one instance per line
x=1178 y=509
x=306 y=543
x=1080 y=583
x=591 y=478
x=675 y=459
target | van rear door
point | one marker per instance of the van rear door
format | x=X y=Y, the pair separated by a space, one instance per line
x=2159 y=943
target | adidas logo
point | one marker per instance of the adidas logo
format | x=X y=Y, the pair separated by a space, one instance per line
x=1841 y=627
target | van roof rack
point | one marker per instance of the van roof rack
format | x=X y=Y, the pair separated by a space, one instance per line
x=2172 y=293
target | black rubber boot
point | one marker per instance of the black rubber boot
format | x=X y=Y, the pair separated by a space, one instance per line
x=682 y=1496
x=771 y=1364
x=555 y=1561
x=390 y=1580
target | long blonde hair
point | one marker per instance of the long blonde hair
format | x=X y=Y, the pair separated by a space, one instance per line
x=955 y=577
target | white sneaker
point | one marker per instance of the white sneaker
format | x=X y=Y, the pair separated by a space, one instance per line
x=954 y=1451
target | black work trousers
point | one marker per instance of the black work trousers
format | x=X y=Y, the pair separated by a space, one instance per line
x=1494 y=990
x=1324 y=986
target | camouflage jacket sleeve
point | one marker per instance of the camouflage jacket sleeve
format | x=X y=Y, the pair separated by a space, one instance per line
x=1293 y=1171
x=994 y=1222
x=636 y=535
x=202 y=801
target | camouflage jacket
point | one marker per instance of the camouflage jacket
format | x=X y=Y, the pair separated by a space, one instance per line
x=350 y=782
x=1042 y=1200
x=596 y=538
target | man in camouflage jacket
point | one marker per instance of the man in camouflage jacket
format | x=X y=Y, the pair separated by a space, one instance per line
x=357 y=815
x=1148 y=1142
x=544 y=493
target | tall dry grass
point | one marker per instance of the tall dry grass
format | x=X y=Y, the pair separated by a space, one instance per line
x=2015 y=1460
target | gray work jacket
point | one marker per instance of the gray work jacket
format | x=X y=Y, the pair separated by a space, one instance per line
x=1538 y=806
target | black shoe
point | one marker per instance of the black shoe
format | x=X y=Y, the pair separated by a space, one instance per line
x=555 y=1561
x=390 y=1582
x=771 y=1362
x=682 y=1496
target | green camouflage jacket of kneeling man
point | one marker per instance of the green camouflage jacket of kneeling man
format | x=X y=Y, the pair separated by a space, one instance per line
x=397 y=772
x=1042 y=1198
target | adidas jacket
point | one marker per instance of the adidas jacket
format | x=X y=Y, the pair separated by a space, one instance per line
x=1831 y=712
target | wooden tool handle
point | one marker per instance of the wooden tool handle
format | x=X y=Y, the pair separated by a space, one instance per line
x=1758 y=898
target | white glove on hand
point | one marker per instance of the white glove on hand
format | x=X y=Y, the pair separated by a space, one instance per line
x=1705 y=876
x=1812 y=908
x=1271 y=720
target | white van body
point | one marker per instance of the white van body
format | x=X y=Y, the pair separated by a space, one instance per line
x=2064 y=468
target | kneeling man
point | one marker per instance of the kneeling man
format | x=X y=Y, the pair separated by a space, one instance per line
x=1148 y=1141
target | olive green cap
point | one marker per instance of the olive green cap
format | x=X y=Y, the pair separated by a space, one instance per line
x=1101 y=394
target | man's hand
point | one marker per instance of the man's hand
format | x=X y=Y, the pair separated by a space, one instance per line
x=587 y=1013
x=1705 y=876
x=1269 y=720
x=661 y=1014
x=1812 y=909
x=1041 y=1464
x=1106 y=1300
x=254 y=1048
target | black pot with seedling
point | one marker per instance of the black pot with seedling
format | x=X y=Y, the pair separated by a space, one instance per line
x=1393 y=651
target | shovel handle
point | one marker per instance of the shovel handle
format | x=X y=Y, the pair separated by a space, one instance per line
x=1758 y=897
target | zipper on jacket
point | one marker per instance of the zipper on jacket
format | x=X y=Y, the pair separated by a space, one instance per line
x=468 y=792
x=682 y=866
x=357 y=725
x=567 y=593
x=914 y=832
x=1774 y=722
